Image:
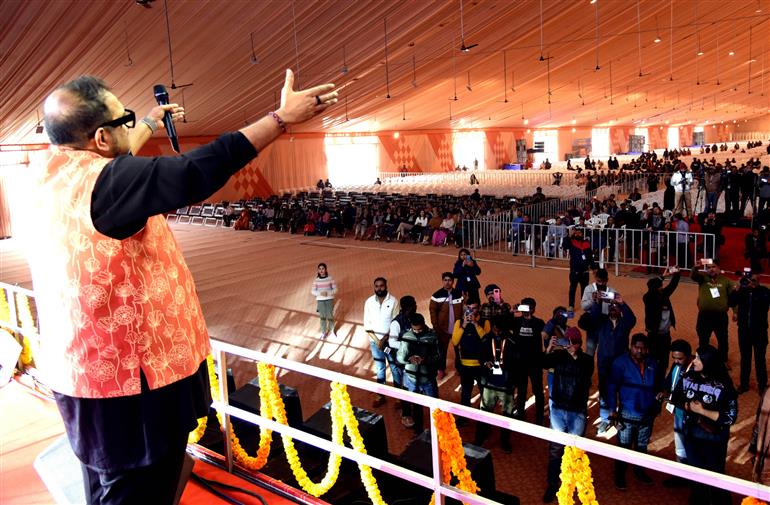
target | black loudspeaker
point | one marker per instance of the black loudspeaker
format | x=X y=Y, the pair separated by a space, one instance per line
x=247 y=398
x=417 y=457
x=370 y=425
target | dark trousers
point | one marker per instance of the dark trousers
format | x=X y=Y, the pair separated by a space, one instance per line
x=576 y=278
x=660 y=347
x=713 y=322
x=156 y=483
x=468 y=375
x=709 y=455
x=755 y=341
x=533 y=375
x=443 y=347
x=732 y=206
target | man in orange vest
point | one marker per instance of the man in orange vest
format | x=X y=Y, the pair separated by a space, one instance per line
x=123 y=340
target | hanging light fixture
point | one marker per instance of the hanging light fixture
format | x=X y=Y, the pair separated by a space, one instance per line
x=657 y=31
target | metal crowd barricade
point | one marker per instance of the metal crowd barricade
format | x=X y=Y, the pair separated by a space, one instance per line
x=442 y=489
x=612 y=246
x=10 y=295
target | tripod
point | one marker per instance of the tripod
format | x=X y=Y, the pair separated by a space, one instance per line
x=698 y=198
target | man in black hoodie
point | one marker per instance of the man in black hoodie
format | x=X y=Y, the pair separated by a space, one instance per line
x=659 y=315
x=580 y=260
x=500 y=357
x=572 y=373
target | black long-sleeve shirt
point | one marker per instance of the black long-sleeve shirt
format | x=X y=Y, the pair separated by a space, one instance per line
x=131 y=189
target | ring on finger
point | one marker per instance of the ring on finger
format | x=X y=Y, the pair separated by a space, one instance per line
x=317 y=100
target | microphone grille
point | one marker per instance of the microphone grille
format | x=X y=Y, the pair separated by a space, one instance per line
x=159 y=89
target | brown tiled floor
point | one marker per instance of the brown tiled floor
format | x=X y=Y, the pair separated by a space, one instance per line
x=255 y=292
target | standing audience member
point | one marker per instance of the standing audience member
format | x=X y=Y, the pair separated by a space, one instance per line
x=379 y=311
x=324 y=289
x=710 y=404
x=446 y=307
x=501 y=357
x=527 y=331
x=681 y=181
x=598 y=292
x=659 y=315
x=612 y=332
x=580 y=260
x=713 y=303
x=398 y=327
x=466 y=339
x=756 y=249
x=419 y=355
x=632 y=389
x=760 y=444
x=495 y=305
x=751 y=303
x=681 y=357
x=466 y=272
x=572 y=373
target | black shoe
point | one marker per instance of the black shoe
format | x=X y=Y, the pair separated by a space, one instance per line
x=550 y=494
x=642 y=477
x=620 y=482
x=505 y=445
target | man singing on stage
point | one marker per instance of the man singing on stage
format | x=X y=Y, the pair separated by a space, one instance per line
x=123 y=340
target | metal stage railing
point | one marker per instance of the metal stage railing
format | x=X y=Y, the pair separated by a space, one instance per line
x=441 y=489
x=222 y=350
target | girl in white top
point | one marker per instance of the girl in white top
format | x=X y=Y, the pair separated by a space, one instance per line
x=324 y=290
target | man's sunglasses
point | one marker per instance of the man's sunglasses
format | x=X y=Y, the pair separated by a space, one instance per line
x=129 y=119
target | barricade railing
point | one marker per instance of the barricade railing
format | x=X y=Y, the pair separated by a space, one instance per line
x=611 y=246
x=221 y=350
x=443 y=489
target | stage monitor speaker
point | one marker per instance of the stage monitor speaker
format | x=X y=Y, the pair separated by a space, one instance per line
x=60 y=471
x=417 y=457
x=247 y=398
x=370 y=424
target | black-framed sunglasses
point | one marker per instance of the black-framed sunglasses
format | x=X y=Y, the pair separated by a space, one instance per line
x=128 y=119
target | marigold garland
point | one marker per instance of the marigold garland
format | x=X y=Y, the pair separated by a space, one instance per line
x=27 y=325
x=5 y=310
x=750 y=500
x=576 y=473
x=452 y=453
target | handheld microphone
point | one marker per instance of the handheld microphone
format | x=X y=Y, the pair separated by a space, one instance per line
x=161 y=96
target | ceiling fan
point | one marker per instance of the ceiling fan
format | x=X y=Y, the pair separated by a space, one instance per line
x=463 y=47
x=174 y=85
x=147 y=4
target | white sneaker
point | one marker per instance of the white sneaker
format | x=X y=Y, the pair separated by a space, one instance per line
x=324 y=335
x=332 y=335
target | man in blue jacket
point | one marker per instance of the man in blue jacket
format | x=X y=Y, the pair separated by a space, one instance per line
x=632 y=399
x=611 y=331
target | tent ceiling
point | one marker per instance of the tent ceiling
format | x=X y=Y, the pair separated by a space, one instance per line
x=431 y=84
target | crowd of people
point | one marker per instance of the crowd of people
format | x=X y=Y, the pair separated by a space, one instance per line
x=502 y=349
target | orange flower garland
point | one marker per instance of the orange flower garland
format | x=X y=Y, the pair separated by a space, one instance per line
x=452 y=453
x=750 y=500
x=576 y=473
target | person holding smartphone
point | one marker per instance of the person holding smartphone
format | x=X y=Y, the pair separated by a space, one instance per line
x=572 y=374
x=713 y=304
x=466 y=272
x=659 y=315
x=495 y=306
x=710 y=403
x=466 y=339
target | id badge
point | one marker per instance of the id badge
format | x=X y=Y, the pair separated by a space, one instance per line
x=670 y=408
x=497 y=371
x=583 y=256
x=714 y=292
